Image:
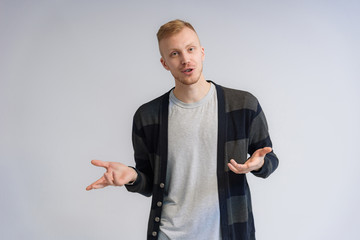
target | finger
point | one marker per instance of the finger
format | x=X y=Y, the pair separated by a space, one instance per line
x=266 y=150
x=262 y=151
x=109 y=178
x=118 y=181
x=244 y=168
x=100 y=183
x=100 y=163
x=91 y=186
x=239 y=168
x=233 y=169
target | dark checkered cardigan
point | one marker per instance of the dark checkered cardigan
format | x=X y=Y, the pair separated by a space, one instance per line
x=242 y=129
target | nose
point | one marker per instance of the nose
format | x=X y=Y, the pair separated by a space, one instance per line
x=185 y=58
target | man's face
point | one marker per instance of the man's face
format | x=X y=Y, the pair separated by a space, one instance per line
x=183 y=56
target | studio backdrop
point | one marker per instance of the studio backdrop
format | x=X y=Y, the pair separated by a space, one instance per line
x=73 y=73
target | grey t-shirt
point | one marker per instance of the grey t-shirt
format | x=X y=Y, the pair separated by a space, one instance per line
x=191 y=204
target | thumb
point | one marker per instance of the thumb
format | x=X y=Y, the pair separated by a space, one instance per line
x=100 y=163
x=263 y=151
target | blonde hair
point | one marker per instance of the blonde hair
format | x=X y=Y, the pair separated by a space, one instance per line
x=171 y=28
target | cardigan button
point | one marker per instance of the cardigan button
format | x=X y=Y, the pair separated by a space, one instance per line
x=154 y=234
x=162 y=185
x=159 y=204
x=157 y=219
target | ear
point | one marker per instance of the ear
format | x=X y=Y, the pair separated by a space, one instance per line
x=164 y=64
x=202 y=53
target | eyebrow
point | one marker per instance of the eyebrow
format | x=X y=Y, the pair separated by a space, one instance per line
x=188 y=45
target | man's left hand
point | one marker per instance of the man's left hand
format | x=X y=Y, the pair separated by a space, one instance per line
x=254 y=163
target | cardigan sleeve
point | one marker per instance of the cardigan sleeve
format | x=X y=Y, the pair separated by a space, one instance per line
x=259 y=138
x=144 y=181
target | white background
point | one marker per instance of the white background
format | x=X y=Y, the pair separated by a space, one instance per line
x=72 y=74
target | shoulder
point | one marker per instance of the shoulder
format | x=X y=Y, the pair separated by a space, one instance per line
x=149 y=112
x=235 y=99
x=150 y=107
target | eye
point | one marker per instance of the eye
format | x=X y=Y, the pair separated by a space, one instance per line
x=191 y=49
x=174 y=54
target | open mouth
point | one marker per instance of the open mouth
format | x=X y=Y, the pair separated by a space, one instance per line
x=188 y=70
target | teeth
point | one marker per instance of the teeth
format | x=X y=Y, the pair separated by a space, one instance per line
x=188 y=70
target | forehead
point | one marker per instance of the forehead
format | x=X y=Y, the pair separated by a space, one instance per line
x=180 y=40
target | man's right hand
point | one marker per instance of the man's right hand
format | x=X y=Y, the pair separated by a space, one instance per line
x=117 y=174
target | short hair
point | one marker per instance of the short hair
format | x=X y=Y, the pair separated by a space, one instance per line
x=171 y=28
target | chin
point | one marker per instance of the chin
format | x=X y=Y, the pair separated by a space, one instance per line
x=188 y=81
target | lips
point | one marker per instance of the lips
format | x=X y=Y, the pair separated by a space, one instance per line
x=188 y=70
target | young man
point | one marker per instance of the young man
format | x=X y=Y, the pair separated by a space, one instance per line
x=191 y=149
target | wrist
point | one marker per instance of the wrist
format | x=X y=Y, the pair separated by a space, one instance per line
x=134 y=176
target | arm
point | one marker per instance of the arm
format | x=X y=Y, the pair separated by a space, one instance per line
x=263 y=160
x=145 y=139
x=142 y=155
x=118 y=174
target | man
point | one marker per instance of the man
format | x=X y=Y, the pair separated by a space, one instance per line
x=191 y=149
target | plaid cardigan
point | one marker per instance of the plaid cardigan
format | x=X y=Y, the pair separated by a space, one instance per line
x=242 y=129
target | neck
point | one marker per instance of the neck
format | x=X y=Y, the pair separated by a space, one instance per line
x=192 y=93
